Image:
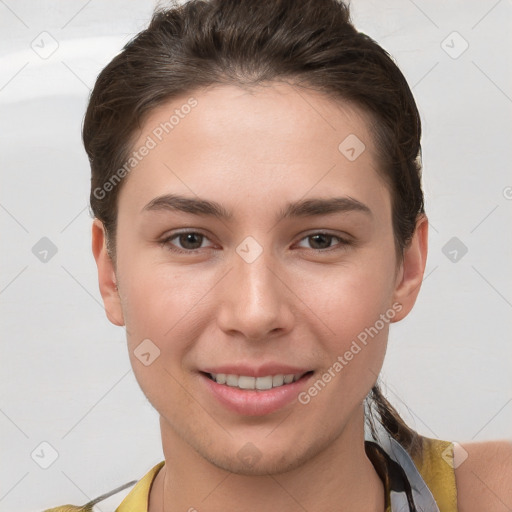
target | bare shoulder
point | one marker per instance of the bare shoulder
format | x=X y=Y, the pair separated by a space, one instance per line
x=483 y=476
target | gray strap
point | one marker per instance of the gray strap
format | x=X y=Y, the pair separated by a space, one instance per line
x=422 y=496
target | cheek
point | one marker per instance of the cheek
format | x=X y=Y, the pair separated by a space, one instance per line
x=355 y=304
x=167 y=305
x=164 y=314
x=349 y=298
x=357 y=311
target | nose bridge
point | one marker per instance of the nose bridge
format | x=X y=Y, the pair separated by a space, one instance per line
x=254 y=302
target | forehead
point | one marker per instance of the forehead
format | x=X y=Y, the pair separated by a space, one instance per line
x=265 y=140
x=290 y=112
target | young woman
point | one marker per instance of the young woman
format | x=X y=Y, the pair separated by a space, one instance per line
x=259 y=224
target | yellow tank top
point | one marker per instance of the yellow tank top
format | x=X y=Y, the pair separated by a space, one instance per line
x=434 y=465
x=432 y=481
x=436 y=468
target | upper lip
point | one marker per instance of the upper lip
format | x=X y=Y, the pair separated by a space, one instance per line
x=257 y=371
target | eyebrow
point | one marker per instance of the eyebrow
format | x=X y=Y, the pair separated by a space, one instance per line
x=301 y=208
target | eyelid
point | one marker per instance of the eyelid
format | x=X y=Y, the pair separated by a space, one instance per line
x=343 y=240
x=166 y=240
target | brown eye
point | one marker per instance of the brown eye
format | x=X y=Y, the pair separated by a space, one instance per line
x=185 y=242
x=320 y=241
x=190 y=241
x=323 y=242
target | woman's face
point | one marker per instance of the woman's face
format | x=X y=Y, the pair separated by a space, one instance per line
x=254 y=238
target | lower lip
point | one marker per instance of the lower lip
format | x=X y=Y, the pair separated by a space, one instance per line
x=256 y=403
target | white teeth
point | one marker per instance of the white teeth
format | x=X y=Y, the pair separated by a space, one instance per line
x=232 y=380
x=260 y=383
x=277 y=380
x=264 y=382
x=246 y=382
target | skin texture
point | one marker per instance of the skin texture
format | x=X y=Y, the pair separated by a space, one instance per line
x=484 y=476
x=253 y=152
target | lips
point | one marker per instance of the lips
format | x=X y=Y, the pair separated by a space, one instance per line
x=254 y=391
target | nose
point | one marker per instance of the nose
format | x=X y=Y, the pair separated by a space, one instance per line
x=255 y=302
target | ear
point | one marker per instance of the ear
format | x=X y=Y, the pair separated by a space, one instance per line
x=106 y=275
x=410 y=274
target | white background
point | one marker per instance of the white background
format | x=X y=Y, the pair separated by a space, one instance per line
x=66 y=377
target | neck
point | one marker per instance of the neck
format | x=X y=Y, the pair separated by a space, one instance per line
x=340 y=478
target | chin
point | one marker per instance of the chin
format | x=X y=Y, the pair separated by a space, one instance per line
x=251 y=461
x=265 y=466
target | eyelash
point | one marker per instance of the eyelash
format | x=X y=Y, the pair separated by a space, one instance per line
x=342 y=242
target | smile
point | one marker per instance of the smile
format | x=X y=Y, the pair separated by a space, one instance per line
x=255 y=383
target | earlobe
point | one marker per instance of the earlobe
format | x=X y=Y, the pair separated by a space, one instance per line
x=106 y=275
x=410 y=276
